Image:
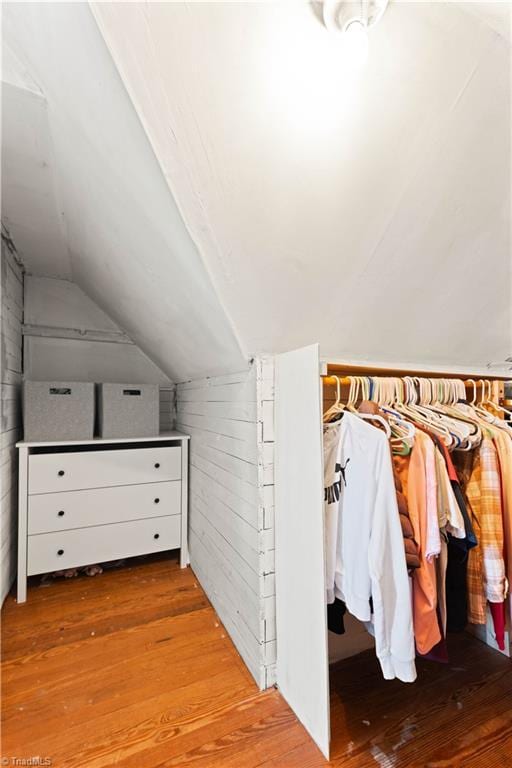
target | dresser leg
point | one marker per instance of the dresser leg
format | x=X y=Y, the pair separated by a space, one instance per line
x=22 y=589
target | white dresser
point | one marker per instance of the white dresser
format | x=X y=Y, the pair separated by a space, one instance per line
x=99 y=500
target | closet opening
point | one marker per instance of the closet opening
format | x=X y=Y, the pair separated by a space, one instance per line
x=422 y=674
x=418 y=519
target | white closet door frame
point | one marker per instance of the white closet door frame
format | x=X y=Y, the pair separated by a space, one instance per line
x=302 y=652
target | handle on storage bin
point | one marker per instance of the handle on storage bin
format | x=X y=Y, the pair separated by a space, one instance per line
x=132 y=392
x=156 y=536
x=60 y=390
x=60 y=513
x=60 y=552
x=61 y=473
x=157 y=465
x=157 y=501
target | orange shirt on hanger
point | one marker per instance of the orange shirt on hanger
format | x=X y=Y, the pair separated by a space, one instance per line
x=420 y=487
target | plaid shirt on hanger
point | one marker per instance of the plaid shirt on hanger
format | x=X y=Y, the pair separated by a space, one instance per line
x=486 y=568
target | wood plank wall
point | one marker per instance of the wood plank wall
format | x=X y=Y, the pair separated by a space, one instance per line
x=265 y=416
x=167 y=408
x=231 y=506
x=11 y=291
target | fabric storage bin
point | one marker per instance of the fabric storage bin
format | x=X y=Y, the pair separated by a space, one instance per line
x=58 y=410
x=128 y=410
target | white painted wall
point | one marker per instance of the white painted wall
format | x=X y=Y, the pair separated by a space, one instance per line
x=63 y=304
x=97 y=349
x=54 y=307
x=231 y=507
x=11 y=317
x=368 y=212
x=80 y=167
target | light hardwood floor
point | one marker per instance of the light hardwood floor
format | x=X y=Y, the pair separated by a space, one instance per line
x=133 y=668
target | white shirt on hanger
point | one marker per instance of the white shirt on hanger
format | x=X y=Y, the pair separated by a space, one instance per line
x=370 y=557
x=332 y=490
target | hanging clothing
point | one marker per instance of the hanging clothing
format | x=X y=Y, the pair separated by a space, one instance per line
x=441 y=568
x=461 y=538
x=410 y=545
x=432 y=536
x=335 y=613
x=486 y=568
x=456 y=587
x=491 y=522
x=450 y=517
x=332 y=492
x=503 y=444
x=412 y=555
x=458 y=522
x=414 y=480
x=452 y=500
x=469 y=540
x=370 y=558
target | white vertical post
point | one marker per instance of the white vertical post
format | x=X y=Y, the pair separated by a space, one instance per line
x=22 y=523
x=301 y=615
x=184 y=558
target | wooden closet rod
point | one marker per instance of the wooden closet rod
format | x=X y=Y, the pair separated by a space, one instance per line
x=332 y=378
x=336 y=369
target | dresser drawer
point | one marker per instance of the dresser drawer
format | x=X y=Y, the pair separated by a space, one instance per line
x=51 y=472
x=98 y=544
x=80 y=509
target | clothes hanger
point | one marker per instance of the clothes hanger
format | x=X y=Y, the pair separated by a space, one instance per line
x=417 y=414
x=443 y=406
x=432 y=395
x=360 y=382
x=376 y=417
x=475 y=409
x=403 y=431
x=457 y=392
x=488 y=403
x=353 y=394
x=472 y=437
x=479 y=406
x=382 y=393
x=492 y=403
x=434 y=398
x=338 y=406
x=466 y=408
x=473 y=382
x=365 y=388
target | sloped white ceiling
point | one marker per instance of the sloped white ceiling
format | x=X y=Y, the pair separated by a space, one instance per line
x=79 y=169
x=496 y=14
x=30 y=208
x=370 y=211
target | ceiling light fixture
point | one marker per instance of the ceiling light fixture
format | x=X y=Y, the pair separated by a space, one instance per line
x=353 y=19
x=355 y=43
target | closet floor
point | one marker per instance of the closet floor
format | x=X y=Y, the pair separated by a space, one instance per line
x=456 y=715
x=133 y=668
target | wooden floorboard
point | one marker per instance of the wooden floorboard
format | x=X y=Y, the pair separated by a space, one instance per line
x=133 y=668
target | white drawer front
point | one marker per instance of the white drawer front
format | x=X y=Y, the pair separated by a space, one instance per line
x=84 y=546
x=80 y=509
x=51 y=472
